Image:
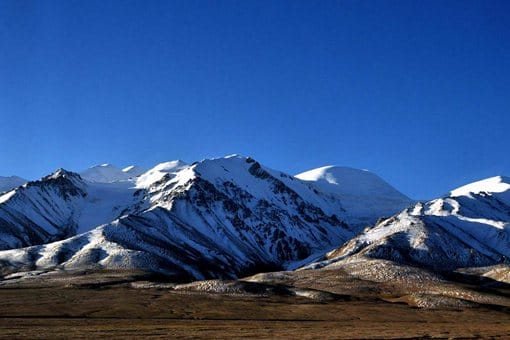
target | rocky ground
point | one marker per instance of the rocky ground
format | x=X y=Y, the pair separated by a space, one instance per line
x=304 y=304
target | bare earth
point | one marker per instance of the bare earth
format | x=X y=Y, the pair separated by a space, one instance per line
x=121 y=311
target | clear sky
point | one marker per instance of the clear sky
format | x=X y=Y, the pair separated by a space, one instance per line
x=416 y=91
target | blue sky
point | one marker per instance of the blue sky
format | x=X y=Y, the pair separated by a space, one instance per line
x=416 y=91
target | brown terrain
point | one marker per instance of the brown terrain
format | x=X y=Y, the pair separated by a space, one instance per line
x=131 y=305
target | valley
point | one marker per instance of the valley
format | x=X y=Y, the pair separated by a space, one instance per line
x=77 y=308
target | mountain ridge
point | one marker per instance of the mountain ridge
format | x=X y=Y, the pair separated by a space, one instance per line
x=231 y=216
x=198 y=220
x=469 y=227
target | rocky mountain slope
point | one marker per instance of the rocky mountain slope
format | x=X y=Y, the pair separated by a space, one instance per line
x=216 y=218
x=469 y=227
x=59 y=206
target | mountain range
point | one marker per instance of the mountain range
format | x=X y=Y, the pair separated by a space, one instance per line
x=231 y=217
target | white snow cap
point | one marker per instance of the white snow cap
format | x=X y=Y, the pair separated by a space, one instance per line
x=104 y=173
x=349 y=181
x=155 y=174
x=171 y=166
x=364 y=195
x=495 y=185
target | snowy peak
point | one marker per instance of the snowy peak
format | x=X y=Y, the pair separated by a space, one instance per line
x=40 y=211
x=134 y=170
x=66 y=182
x=171 y=166
x=104 y=173
x=233 y=168
x=262 y=182
x=232 y=216
x=157 y=173
x=61 y=205
x=493 y=185
x=468 y=228
x=11 y=182
x=365 y=196
x=350 y=181
x=225 y=217
x=62 y=173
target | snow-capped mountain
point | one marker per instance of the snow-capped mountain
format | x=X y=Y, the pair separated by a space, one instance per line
x=365 y=196
x=105 y=173
x=232 y=216
x=59 y=206
x=11 y=182
x=215 y=218
x=468 y=227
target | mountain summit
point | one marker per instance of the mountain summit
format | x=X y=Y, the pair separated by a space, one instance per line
x=364 y=196
x=104 y=173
